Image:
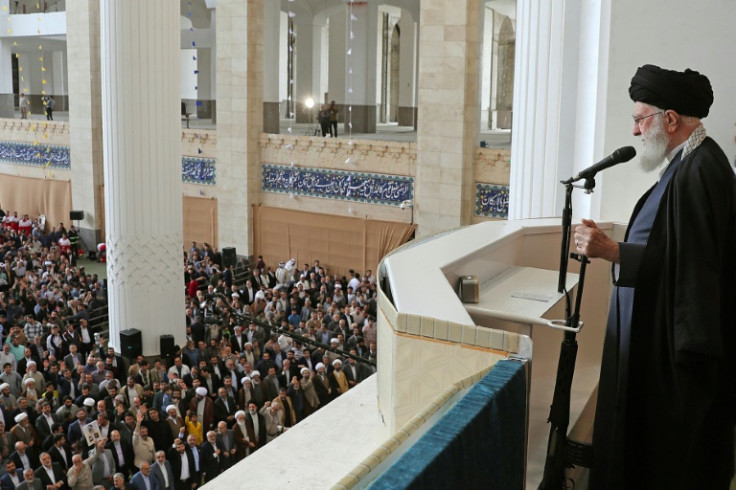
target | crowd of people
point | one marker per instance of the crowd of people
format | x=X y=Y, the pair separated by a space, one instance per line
x=264 y=349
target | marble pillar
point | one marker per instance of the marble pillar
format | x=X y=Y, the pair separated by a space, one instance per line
x=271 y=35
x=139 y=46
x=360 y=67
x=239 y=119
x=408 y=70
x=7 y=98
x=85 y=116
x=448 y=112
x=308 y=70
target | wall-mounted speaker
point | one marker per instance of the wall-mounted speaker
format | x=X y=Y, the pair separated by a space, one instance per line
x=76 y=215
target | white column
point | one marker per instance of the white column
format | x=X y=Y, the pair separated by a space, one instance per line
x=7 y=101
x=271 y=36
x=336 y=66
x=308 y=69
x=449 y=113
x=7 y=98
x=362 y=30
x=140 y=42
x=239 y=119
x=545 y=101
x=85 y=116
x=407 y=70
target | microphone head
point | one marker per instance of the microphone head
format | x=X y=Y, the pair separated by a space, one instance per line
x=624 y=154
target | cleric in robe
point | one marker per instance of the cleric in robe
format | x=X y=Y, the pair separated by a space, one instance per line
x=665 y=411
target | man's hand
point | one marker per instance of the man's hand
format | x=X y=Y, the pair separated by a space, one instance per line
x=592 y=242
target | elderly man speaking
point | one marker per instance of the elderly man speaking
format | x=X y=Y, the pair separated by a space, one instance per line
x=665 y=412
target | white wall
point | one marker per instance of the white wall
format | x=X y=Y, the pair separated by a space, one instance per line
x=701 y=38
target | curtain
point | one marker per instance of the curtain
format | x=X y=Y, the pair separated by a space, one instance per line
x=200 y=221
x=35 y=197
x=340 y=243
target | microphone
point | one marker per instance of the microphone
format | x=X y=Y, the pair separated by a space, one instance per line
x=623 y=154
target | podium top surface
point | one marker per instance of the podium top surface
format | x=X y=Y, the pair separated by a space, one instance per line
x=519 y=294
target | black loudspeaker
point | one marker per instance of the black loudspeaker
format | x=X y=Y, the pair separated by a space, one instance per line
x=76 y=215
x=166 y=344
x=229 y=257
x=130 y=343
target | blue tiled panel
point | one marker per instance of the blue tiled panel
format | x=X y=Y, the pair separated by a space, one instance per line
x=35 y=155
x=198 y=171
x=385 y=189
x=492 y=200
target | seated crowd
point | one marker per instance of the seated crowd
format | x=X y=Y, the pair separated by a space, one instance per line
x=74 y=414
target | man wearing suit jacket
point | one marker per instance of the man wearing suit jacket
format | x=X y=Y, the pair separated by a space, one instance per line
x=162 y=470
x=30 y=482
x=103 y=468
x=60 y=452
x=224 y=407
x=122 y=453
x=29 y=356
x=45 y=420
x=288 y=372
x=238 y=339
x=145 y=475
x=13 y=476
x=182 y=466
x=23 y=456
x=73 y=358
x=212 y=457
x=354 y=372
x=50 y=473
x=226 y=439
x=74 y=433
x=196 y=452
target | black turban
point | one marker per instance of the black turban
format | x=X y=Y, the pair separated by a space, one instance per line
x=688 y=93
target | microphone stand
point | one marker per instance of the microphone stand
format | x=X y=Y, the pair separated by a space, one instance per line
x=560 y=451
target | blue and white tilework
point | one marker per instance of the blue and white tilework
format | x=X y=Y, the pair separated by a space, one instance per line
x=390 y=190
x=35 y=155
x=492 y=200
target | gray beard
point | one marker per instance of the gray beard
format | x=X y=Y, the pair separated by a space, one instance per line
x=655 y=147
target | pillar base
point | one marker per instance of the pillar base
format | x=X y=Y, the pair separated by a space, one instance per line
x=271 y=117
x=7 y=106
x=363 y=118
x=408 y=116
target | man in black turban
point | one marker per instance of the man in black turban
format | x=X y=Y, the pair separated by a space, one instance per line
x=665 y=411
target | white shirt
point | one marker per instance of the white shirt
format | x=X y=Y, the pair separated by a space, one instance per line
x=106 y=472
x=119 y=450
x=195 y=455
x=184 y=466
x=50 y=472
x=254 y=418
x=63 y=456
x=162 y=467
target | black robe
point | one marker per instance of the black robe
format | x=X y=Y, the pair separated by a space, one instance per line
x=665 y=414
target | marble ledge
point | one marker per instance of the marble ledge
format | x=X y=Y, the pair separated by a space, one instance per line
x=442 y=330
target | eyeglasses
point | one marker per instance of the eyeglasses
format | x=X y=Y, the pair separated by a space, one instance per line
x=638 y=120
